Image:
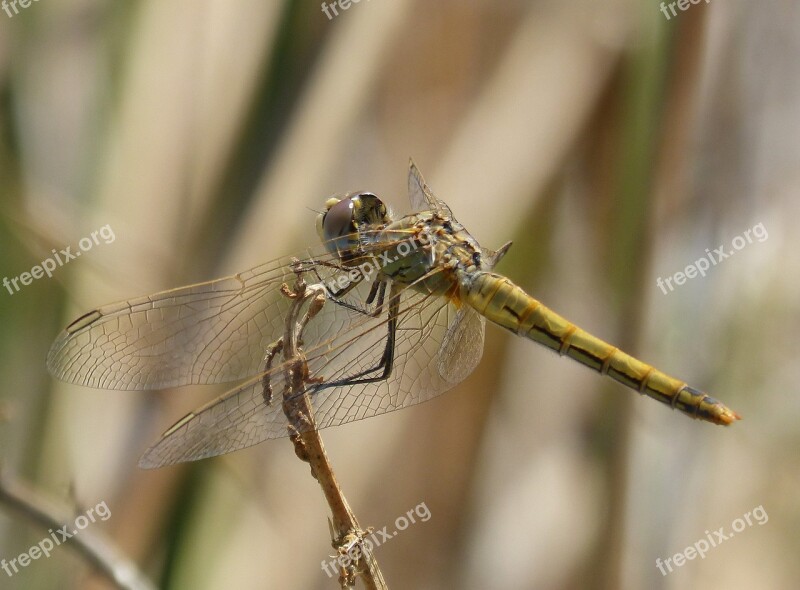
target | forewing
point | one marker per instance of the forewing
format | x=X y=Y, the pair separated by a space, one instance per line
x=206 y=333
x=420 y=194
x=430 y=358
x=212 y=332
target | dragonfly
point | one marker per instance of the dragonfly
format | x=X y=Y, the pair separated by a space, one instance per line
x=403 y=320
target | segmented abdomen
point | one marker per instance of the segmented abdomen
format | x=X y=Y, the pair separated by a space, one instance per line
x=508 y=305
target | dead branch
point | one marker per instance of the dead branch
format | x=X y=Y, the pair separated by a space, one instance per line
x=354 y=556
x=94 y=546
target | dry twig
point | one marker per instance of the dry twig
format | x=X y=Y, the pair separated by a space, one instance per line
x=94 y=546
x=355 y=558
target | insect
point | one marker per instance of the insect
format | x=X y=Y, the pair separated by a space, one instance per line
x=402 y=321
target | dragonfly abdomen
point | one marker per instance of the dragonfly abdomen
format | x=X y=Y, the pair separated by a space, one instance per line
x=506 y=304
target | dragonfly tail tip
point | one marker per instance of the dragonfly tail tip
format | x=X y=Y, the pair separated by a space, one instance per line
x=728 y=417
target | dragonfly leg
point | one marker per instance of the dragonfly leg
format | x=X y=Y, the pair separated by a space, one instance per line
x=381 y=293
x=385 y=365
x=378 y=290
x=377 y=286
x=273 y=350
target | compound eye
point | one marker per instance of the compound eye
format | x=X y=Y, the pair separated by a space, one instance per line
x=369 y=210
x=338 y=220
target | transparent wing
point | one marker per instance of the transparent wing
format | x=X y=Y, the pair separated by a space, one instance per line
x=436 y=347
x=420 y=194
x=212 y=332
x=462 y=346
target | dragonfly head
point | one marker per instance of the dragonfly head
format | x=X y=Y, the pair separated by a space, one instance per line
x=339 y=225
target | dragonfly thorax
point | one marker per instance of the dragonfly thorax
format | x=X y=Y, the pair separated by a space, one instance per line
x=431 y=253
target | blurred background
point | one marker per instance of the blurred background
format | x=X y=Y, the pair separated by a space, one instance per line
x=613 y=144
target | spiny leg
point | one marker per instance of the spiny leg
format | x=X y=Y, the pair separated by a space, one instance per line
x=378 y=289
x=387 y=359
x=386 y=363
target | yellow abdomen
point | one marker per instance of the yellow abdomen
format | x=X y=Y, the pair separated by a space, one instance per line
x=507 y=305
